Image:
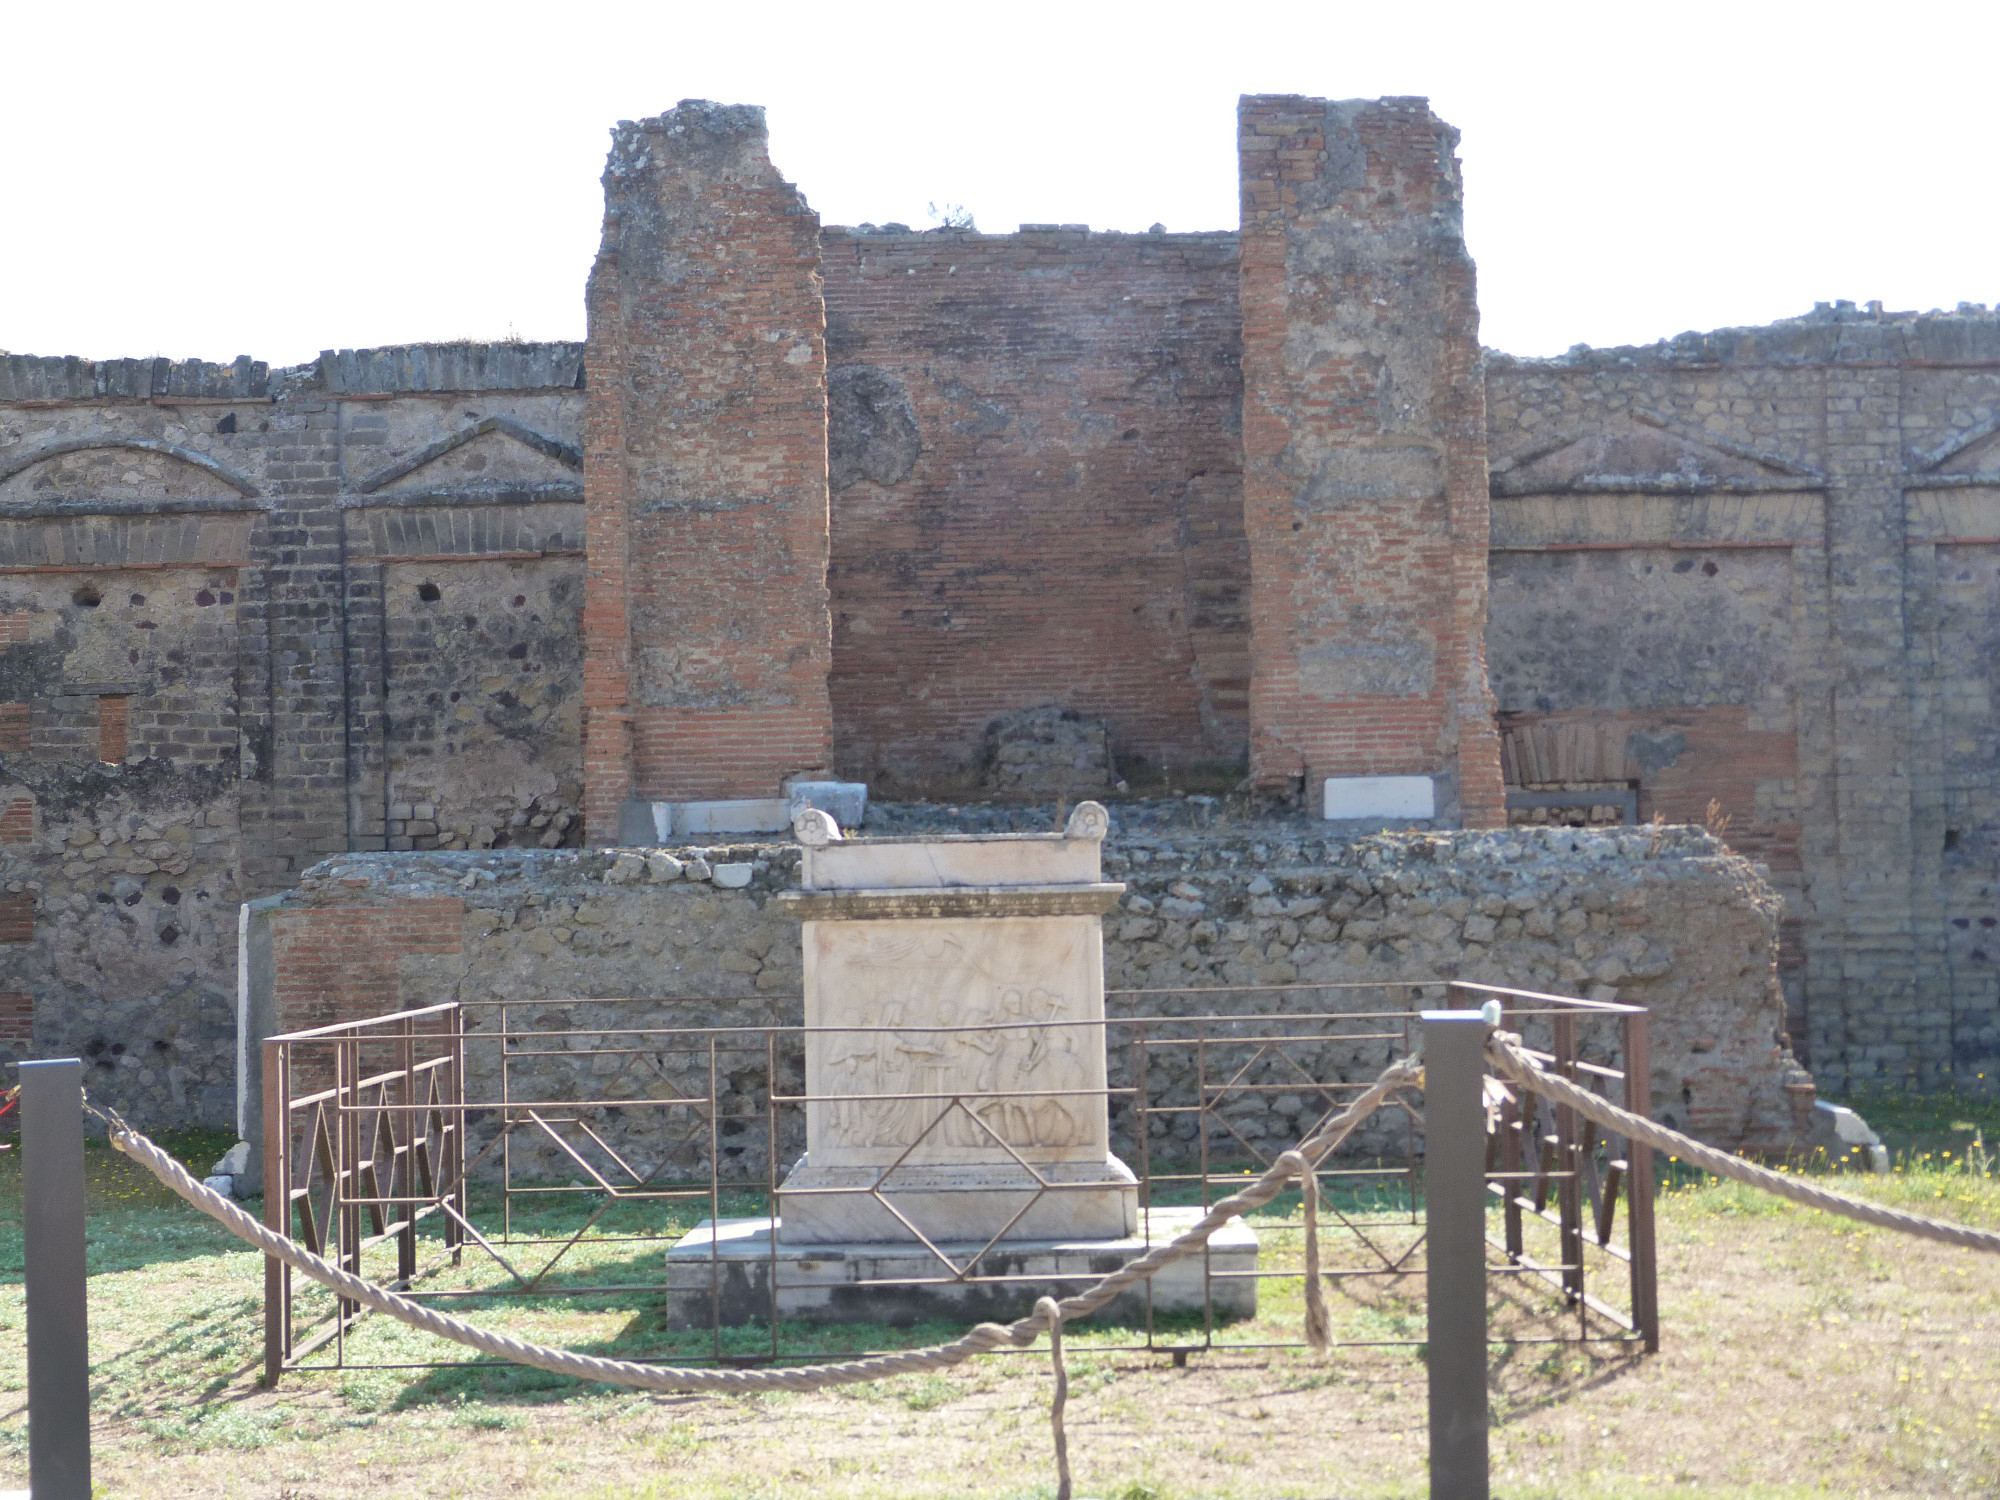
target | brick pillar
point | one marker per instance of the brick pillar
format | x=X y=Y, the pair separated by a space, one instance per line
x=1364 y=440
x=607 y=638
x=292 y=664
x=707 y=634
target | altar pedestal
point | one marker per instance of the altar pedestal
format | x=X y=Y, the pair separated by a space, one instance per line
x=958 y=1159
x=954 y=999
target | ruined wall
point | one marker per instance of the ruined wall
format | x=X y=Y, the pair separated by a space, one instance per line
x=1964 y=633
x=1757 y=567
x=201 y=694
x=251 y=618
x=1664 y=919
x=1364 y=447
x=1036 y=472
x=706 y=617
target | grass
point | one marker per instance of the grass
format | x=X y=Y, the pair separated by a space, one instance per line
x=1803 y=1355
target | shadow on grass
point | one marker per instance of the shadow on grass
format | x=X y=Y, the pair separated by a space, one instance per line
x=131 y=1220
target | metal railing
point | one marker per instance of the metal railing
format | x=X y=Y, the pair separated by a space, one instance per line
x=393 y=1144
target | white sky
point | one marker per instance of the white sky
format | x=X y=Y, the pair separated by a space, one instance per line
x=276 y=179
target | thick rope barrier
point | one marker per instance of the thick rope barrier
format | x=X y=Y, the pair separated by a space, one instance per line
x=1300 y=1164
x=1509 y=1059
x=984 y=1338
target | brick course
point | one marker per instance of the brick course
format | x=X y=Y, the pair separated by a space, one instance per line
x=17 y=1021
x=17 y=824
x=342 y=963
x=113 y=718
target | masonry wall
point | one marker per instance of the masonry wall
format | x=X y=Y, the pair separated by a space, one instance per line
x=1364 y=446
x=201 y=693
x=1757 y=567
x=706 y=618
x=1669 y=920
x=1036 y=480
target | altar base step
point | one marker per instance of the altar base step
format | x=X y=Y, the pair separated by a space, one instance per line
x=722 y=1274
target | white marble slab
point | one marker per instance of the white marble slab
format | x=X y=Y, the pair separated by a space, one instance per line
x=1413 y=797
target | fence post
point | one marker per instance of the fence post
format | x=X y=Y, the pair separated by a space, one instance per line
x=277 y=1207
x=58 y=1329
x=1455 y=1246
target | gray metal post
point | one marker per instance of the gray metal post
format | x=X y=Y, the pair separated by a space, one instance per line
x=58 y=1335
x=1455 y=1244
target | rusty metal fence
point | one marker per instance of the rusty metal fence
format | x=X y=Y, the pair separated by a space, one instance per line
x=569 y=1144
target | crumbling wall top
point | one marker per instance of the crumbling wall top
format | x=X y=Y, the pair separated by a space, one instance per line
x=1832 y=333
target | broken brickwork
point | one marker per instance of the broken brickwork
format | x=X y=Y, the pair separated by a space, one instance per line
x=705 y=616
x=1364 y=450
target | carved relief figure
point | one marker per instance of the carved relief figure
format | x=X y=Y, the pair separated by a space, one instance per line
x=851 y=1070
x=983 y=1052
x=933 y=1057
x=1018 y=1053
x=885 y=1121
x=1055 y=1118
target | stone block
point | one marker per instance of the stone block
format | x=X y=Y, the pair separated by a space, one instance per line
x=1379 y=797
x=724 y=1272
x=640 y=823
x=955 y=988
x=737 y=815
x=845 y=801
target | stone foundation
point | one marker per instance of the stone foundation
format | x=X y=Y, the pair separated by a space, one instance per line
x=1666 y=918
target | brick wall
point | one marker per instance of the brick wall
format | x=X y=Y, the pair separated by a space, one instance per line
x=705 y=617
x=17 y=823
x=1364 y=489
x=1036 y=497
x=17 y=1022
x=342 y=963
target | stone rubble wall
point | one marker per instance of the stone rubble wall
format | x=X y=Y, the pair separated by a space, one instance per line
x=118 y=933
x=1766 y=561
x=253 y=617
x=1664 y=918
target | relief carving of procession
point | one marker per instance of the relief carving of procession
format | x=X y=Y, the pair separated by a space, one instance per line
x=949 y=1030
